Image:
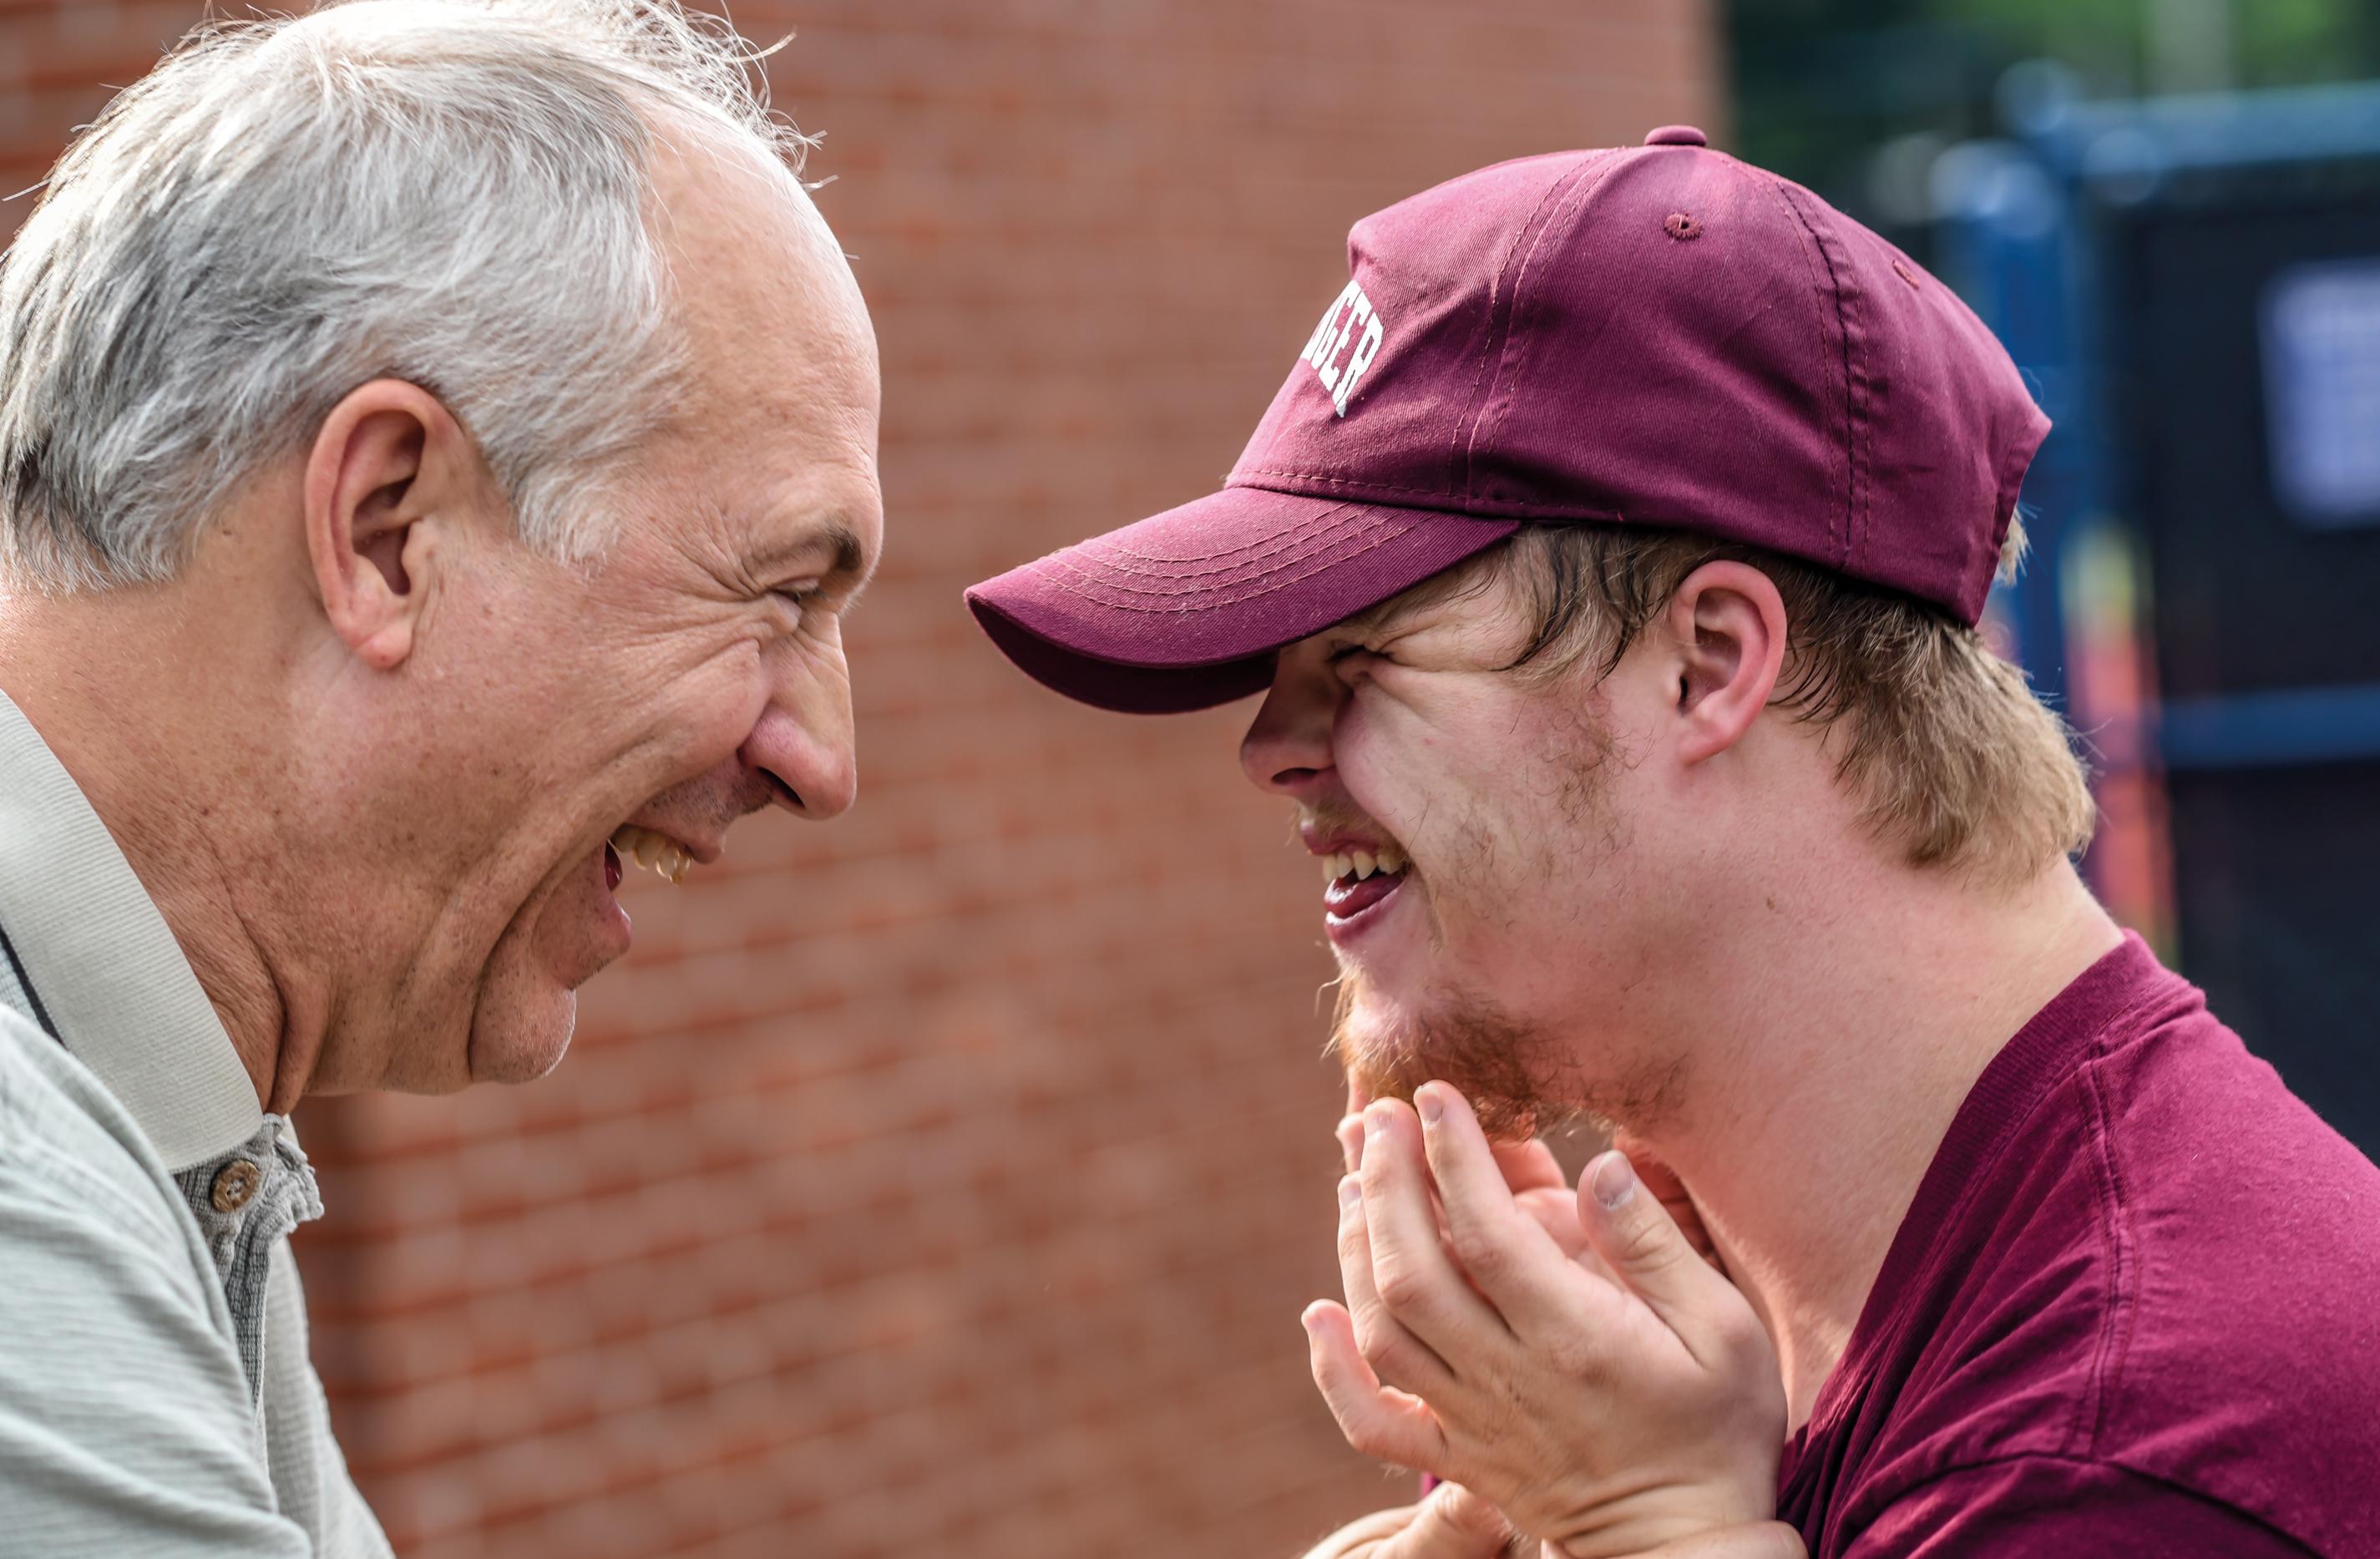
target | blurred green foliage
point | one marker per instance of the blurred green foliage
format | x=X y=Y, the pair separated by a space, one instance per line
x=1849 y=96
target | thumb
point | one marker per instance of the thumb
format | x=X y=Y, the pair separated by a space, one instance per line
x=1663 y=1182
x=1453 y=1523
x=1633 y=1233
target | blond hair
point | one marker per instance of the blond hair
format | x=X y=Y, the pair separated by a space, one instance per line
x=1956 y=760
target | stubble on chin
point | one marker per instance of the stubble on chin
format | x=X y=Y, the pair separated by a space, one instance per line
x=1506 y=1070
x=1520 y=1080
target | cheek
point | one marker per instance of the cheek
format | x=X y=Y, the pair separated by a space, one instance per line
x=669 y=718
x=1522 y=836
x=712 y=709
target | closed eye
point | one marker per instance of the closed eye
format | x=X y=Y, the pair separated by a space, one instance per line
x=1355 y=654
x=800 y=601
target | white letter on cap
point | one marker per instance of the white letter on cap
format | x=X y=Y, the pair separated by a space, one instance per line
x=1366 y=350
x=1321 y=343
x=1357 y=315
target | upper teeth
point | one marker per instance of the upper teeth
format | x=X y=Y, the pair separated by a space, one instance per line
x=1361 y=863
x=647 y=848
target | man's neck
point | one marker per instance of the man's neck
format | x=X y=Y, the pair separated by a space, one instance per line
x=135 y=716
x=1840 y=1055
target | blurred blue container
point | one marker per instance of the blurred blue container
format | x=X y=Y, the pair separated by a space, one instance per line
x=2193 y=284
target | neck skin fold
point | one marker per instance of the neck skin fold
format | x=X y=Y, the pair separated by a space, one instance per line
x=141 y=708
x=1853 y=1031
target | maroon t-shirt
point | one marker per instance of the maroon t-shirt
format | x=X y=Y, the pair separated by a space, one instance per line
x=2134 y=1310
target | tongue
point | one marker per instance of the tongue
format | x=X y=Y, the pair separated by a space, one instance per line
x=1346 y=898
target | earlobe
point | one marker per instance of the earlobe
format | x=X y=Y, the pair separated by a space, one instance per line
x=1728 y=625
x=372 y=485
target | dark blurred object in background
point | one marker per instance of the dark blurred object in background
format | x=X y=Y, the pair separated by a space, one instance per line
x=1855 y=98
x=2170 y=212
x=2195 y=283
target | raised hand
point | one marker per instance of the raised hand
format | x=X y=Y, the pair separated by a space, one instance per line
x=1608 y=1407
x=1542 y=1191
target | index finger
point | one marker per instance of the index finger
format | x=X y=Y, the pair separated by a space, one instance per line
x=1502 y=1249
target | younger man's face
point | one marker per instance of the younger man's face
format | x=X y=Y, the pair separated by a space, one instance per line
x=1502 y=956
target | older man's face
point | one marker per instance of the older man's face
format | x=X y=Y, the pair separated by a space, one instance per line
x=696 y=674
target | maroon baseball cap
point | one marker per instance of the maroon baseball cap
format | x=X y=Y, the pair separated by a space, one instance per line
x=1657 y=335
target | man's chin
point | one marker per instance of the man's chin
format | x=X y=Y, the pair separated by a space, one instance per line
x=527 y=1001
x=1389 y=1050
x=520 y=1040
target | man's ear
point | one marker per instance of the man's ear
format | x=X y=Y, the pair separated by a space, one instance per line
x=389 y=467
x=1727 y=628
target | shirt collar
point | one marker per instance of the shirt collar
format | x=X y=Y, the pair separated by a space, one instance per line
x=108 y=971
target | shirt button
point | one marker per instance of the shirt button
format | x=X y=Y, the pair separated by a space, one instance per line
x=236 y=1185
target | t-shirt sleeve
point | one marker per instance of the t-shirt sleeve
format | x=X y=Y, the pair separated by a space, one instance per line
x=2047 y=1507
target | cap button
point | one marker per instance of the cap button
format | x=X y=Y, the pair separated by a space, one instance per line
x=1676 y=135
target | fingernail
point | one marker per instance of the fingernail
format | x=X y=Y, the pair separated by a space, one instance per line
x=1350 y=1191
x=1426 y=1101
x=1615 y=1181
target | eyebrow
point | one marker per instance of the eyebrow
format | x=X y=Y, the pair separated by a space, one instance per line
x=851 y=558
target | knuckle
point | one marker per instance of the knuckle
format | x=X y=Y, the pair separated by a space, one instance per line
x=1482 y=1253
x=1642 y=1246
x=1401 y=1289
x=1386 y=1351
x=1366 y=1436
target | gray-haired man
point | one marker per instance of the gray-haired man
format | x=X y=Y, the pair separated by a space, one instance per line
x=437 y=444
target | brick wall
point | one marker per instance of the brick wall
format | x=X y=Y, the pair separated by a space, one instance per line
x=947 y=1180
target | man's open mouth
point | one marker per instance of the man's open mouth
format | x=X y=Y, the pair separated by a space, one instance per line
x=1359 y=880
x=664 y=855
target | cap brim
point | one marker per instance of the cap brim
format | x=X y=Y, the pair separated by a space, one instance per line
x=1185 y=609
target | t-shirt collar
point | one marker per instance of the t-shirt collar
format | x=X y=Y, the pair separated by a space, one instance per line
x=110 y=976
x=2040 y=1057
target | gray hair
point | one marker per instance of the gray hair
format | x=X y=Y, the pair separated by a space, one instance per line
x=451 y=192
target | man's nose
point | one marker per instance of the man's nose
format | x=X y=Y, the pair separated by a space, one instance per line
x=805 y=753
x=1287 y=750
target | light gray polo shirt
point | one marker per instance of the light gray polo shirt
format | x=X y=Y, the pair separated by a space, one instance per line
x=155 y=1395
